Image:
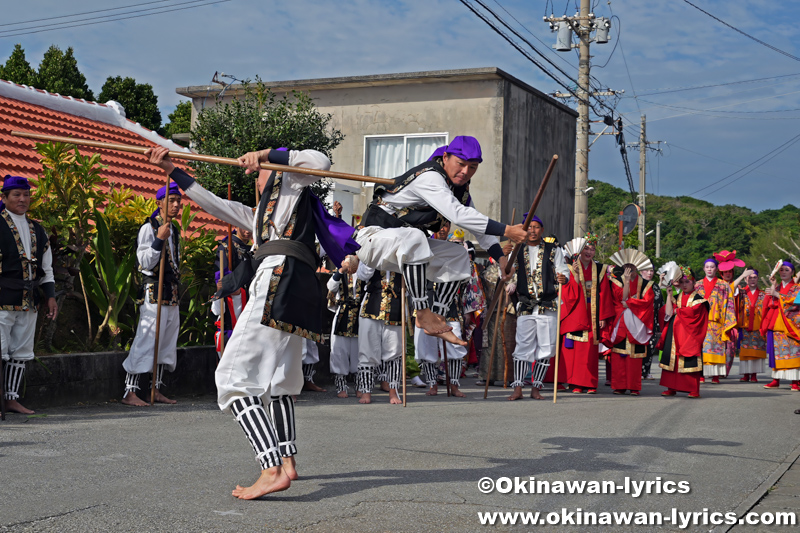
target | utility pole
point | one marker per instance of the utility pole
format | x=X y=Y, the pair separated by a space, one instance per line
x=658 y=239
x=583 y=24
x=642 y=188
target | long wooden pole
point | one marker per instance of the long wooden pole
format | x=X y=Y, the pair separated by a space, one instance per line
x=230 y=239
x=491 y=352
x=160 y=292
x=204 y=158
x=2 y=391
x=558 y=343
x=222 y=305
x=504 y=304
x=446 y=367
x=403 y=329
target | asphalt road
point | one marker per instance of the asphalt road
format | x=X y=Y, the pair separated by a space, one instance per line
x=383 y=468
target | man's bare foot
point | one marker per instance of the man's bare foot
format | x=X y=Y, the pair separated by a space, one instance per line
x=535 y=394
x=132 y=399
x=271 y=480
x=15 y=407
x=385 y=386
x=394 y=399
x=290 y=467
x=431 y=323
x=359 y=394
x=310 y=385
x=365 y=397
x=516 y=395
x=455 y=392
x=343 y=394
x=433 y=391
x=160 y=398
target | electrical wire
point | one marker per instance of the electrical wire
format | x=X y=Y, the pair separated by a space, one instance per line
x=679 y=89
x=83 y=13
x=734 y=28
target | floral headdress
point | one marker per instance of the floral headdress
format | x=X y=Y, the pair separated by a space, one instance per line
x=687 y=272
x=592 y=238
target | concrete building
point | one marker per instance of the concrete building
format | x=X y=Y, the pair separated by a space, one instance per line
x=394 y=121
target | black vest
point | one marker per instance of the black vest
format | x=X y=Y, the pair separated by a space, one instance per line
x=423 y=217
x=17 y=292
x=544 y=280
x=171 y=294
x=296 y=298
x=346 y=324
x=382 y=300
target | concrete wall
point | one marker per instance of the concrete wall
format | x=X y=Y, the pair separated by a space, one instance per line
x=534 y=130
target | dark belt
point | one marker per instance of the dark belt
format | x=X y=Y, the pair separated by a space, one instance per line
x=16 y=284
x=295 y=249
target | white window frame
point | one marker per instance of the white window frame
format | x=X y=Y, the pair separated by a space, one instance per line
x=405 y=137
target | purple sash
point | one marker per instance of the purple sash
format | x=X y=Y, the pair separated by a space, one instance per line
x=334 y=234
x=771 y=348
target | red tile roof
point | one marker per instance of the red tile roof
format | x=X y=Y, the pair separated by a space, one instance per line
x=33 y=110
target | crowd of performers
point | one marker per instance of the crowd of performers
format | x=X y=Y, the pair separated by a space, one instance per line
x=271 y=301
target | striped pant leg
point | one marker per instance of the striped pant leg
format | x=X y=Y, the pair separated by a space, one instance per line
x=415 y=278
x=131 y=383
x=454 y=367
x=340 y=380
x=539 y=371
x=251 y=416
x=281 y=410
x=365 y=378
x=394 y=372
x=381 y=373
x=444 y=293
x=13 y=371
x=308 y=372
x=428 y=371
x=520 y=369
x=160 y=375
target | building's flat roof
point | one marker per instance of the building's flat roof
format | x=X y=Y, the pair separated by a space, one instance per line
x=377 y=80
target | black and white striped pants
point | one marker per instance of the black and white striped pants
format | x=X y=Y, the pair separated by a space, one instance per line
x=14 y=371
x=132 y=380
x=537 y=375
x=444 y=291
x=271 y=436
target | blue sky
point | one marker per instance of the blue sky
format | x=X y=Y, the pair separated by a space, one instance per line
x=710 y=133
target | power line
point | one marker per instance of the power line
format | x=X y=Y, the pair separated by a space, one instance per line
x=759 y=41
x=84 y=13
x=680 y=89
x=116 y=19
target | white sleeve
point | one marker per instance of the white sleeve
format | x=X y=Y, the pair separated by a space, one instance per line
x=215 y=307
x=147 y=255
x=228 y=211
x=334 y=285
x=364 y=272
x=560 y=264
x=305 y=159
x=47 y=266
x=431 y=187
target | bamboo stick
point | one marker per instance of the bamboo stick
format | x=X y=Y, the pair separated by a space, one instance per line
x=203 y=158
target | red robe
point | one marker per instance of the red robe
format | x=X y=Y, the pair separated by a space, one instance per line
x=628 y=348
x=681 y=340
x=585 y=300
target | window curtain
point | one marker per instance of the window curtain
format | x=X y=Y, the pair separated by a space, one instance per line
x=419 y=149
x=385 y=158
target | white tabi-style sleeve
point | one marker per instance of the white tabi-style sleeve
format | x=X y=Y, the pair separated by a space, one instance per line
x=147 y=255
x=305 y=159
x=560 y=264
x=228 y=211
x=431 y=187
x=364 y=272
x=47 y=266
x=334 y=285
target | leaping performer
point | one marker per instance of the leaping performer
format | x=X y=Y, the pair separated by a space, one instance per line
x=394 y=239
x=261 y=368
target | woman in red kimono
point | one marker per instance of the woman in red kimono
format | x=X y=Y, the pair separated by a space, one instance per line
x=684 y=323
x=781 y=327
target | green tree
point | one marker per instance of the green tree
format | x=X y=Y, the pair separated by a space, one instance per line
x=254 y=121
x=58 y=73
x=180 y=120
x=17 y=68
x=138 y=99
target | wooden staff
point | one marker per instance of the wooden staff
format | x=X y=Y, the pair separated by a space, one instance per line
x=2 y=391
x=531 y=211
x=230 y=240
x=162 y=267
x=494 y=344
x=503 y=323
x=558 y=343
x=222 y=305
x=446 y=367
x=403 y=329
x=204 y=158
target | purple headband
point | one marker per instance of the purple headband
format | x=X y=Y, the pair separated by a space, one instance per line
x=439 y=152
x=710 y=260
x=788 y=264
x=465 y=147
x=15 y=182
x=216 y=275
x=173 y=189
x=534 y=218
x=282 y=149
